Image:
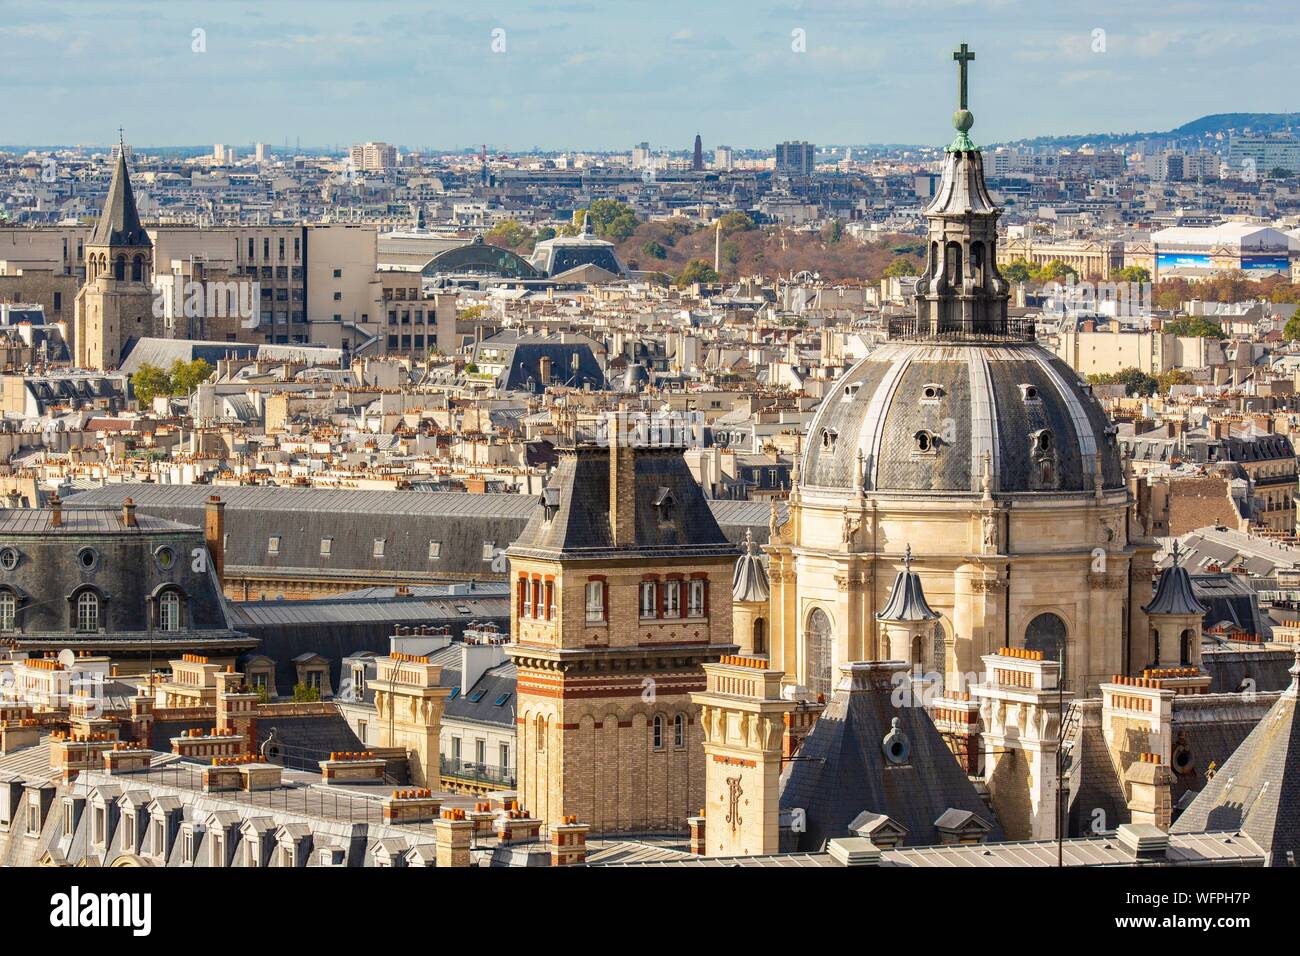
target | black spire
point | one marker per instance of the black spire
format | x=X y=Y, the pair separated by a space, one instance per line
x=907 y=601
x=119 y=224
x=1174 y=594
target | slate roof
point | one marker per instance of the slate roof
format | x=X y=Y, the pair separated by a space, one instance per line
x=749 y=579
x=906 y=602
x=1001 y=398
x=1174 y=594
x=841 y=769
x=579 y=522
x=1258 y=790
x=119 y=223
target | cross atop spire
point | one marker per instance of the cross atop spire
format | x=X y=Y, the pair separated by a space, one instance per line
x=963 y=119
x=963 y=55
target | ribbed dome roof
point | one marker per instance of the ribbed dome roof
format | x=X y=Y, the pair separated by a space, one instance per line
x=922 y=416
x=749 y=579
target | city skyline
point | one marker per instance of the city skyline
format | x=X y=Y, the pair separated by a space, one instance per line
x=578 y=76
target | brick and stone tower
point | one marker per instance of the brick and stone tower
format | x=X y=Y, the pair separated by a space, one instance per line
x=116 y=303
x=622 y=591
x=743 y=715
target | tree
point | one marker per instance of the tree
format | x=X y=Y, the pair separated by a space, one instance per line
x=654 y=250
x=1279 y=172
x=735 y=222
x=900 y=267
x=187 y=376
x=611 y=219
x=1131 y=274
x=1054 y=271
x=697 y=270
x=509 y=233
x=1194 y=325
x=1134 y=380
x=543 y=233
x=1018 y=270
x=303 y=694
x=1292 y=327
x=471 y=312
x=833 y=231
x=148 y=381
x=731 y=252
x=1174 y=376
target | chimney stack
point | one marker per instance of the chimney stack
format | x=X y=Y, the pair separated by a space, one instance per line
x=128 y=514
x=56 y=511
x=214 y=535
x=622 y=482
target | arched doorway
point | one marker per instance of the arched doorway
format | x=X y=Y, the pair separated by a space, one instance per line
x=819 y=649
x=1046 y=633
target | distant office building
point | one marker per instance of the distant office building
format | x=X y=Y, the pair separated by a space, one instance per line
x=697 y=158
x=259 y=152
x=723 y=158
x=795 y=158
x=219 y=153
x=374 y=157
x=1166 y=166
x=640 y=155
x=1267 y=152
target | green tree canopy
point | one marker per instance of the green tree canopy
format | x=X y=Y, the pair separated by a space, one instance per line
x=735 y=222
x=697 y=270
x=1018 y=270
x=900 y=267
x=1054 y=271
x=654 y=250
x=611 y=219
x=1131 y=274
x=1194 y=325
x=509 y=233
x=150 y=381
x=1292 y=328
x=187 y=376
x=1134 y=380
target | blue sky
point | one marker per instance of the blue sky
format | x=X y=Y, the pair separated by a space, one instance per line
x=606 y=74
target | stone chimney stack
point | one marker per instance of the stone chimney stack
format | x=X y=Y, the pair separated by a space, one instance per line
x=214 y=535
x=56 y=511
x=1150 y=792
x=622 y=481
x=128 y=514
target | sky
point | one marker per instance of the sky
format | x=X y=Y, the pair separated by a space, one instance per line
x=571 y=74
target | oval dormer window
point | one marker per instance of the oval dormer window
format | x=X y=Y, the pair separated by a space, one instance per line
x=931 y=393
x=1029 y=393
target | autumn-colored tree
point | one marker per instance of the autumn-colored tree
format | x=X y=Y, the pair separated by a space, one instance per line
x=900 y=267
x=697 y=270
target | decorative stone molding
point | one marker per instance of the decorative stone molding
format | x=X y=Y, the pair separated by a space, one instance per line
x=985 y=585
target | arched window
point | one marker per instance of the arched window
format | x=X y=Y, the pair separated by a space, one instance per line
x=760 y=639
x=1185 y=648
x=658 y=733
x=541 y=734
x=137 y=269
x=8 y=610
x=679 y=731
x=819 y=649
x=1046 y=633
x=87 y=612
x=119 y=268
x=169 y=611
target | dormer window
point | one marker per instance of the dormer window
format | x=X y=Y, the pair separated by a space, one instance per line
x=851 y=391
x=931 y=393
x=550 y=502
x=665 y=502
x=829 y=437
x=1043 y=442
x=927 y=443
x=1029 y=393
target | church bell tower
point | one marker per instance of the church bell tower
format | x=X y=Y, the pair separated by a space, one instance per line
x=116 y=303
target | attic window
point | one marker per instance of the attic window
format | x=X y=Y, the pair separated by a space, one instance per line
x=326 y=546
x=850 y=391
x=378 y=551
x=1029 y=393
x=475 y=697
x=665 y=501
x=500 y=701
x=550 y=502
x=435 y=550
x=829 y=437
x=931 y=393
x=455 y=692
x=926 y=442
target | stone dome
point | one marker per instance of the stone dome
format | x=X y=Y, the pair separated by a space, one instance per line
x=920 y=416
